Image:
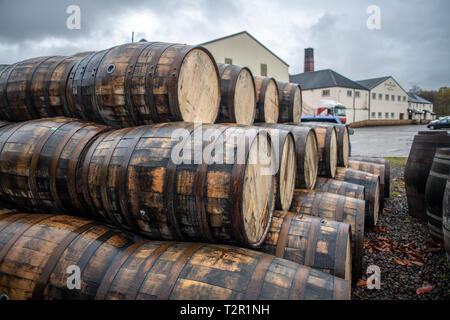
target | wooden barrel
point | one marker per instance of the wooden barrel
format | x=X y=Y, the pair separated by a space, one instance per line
x=336 y=208
x=434 y=191
x=38 y=163
x=327 y=143
x=307 y=155
x=418 y=168
x=156 y=180
x=36 y=252
x=267 y=100
x=314 y=242
x=446 y=219
x=3 y=66
x=340 y=187
x=4 y=123
x=146 y=82
x=238 y=95
x=290 y=102
x=373 y=168
x=387 y=171
x=371 y=185
x=343 y=141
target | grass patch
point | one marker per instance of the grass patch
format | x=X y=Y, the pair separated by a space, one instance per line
x=398 y=161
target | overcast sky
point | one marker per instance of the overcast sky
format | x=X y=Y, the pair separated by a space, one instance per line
x=412 y=45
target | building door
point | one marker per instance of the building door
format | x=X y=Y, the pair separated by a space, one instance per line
x=401 y=116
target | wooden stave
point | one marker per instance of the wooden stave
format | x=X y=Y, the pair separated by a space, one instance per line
x=339 y=187
x=326 y=157
x=149 y=85
x=15 y=83
x=343 y=138
x=58 y=144
x=387 y=171
x=301 y=136
x=373 y=168
x=344 y=209
x=111 y=261
x=228 y=77
x=261 y=84
x=287 y=92
x=446 y=219
x=418 y=167
x=371 y=189
x=289 y=231
x=434 y=192
x=203 y=228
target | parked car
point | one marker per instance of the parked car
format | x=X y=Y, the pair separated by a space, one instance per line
x=440 y=124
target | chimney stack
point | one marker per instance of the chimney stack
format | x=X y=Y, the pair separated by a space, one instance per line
x=309 y=60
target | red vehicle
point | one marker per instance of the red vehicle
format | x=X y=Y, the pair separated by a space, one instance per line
x=332 y=108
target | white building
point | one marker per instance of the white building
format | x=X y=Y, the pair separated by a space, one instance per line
x=420 y=108
x=244 y=50
x=328 y=84
x=387 y=99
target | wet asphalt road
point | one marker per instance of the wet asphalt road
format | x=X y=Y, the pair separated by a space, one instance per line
x=390 y=141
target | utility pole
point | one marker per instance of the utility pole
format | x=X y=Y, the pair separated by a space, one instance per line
x=132 y=36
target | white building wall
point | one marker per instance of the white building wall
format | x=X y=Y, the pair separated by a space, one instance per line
x=245 y=51
x=357 y=108
x=388 y=108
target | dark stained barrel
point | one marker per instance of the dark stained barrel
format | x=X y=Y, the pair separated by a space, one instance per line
x=156 y=180
x=290 y=102
x=267 y=100
x=307 y=153
x=238 y=95
x=446 y=219
x=37 y=250
x=328 y=148
x=39 y=161
x=434 y=192
x=342 y=188
x=310 y=241
x=371 y=185
x=343 y=141
x=373 y=168
x=387 y=171
x=146 y=82
x=418 y=168
x=36 y=88
x=336 y=208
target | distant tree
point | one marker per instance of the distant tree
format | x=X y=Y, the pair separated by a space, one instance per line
x=429 y=95
x=442 y=102
x=415 y=89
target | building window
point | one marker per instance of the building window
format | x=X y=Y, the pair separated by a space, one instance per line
x=380 y=115
x=404 y=98
x=357 y=94
x=349 y=93
x=264 y=69
x=373 y=115
x=374 y=96
x=392 y=115
x=399 y=98
x=387 y=97
x=380 y=96
x=228 y=61
x=325 y=93
x=393 y=98
x=386 y=115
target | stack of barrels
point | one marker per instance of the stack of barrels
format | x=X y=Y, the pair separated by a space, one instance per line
x=163 y=175
x=427 y=177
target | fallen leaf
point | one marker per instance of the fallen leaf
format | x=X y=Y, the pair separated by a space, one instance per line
x=399 y=262
x=417 y=263
x=425 y=289
x=361 y=283
x=407 y=262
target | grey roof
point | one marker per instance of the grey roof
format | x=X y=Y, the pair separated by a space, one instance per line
x=412 y=97
x=372 y=83
x=324 y=79
x=244 y=32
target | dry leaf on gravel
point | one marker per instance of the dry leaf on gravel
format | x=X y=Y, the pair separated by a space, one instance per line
x=425 y=289
x=362 y=283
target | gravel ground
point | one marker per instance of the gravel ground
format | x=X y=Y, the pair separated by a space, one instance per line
x=403 y=250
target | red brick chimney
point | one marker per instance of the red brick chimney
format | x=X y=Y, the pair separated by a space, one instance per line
x=309 y=60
